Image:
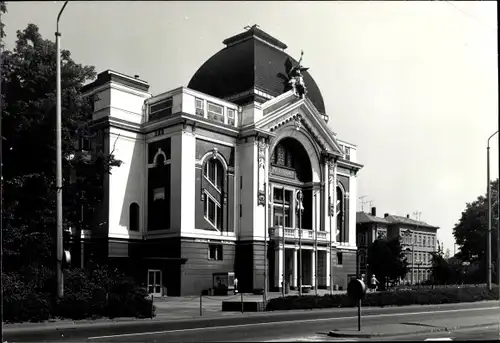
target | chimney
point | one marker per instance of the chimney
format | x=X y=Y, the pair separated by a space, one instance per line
x=386 y=215
x=374 y=211
x=408 y=216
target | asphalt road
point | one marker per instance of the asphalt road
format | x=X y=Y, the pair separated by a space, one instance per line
x=489 y=333
x=294 y=329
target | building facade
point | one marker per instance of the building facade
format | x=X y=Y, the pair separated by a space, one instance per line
x=418 y=240
x=236 y=173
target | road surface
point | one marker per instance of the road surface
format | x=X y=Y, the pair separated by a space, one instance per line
x=489 y=333
x=315 y=329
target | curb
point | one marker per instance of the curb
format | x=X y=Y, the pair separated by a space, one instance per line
x=345 y=334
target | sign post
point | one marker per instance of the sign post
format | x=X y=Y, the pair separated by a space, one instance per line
x=356 y=290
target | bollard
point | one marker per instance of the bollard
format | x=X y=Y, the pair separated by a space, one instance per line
x=201 y=304
x=359 y=315
x=242 y=310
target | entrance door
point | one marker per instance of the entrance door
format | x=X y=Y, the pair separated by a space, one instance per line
x=154 y=282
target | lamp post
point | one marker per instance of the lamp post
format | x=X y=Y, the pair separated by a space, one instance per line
x=60 y=285
x=488 y=195
x=300 y=209
x=1 y=195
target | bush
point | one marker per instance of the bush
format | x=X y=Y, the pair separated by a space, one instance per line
x=21 y=303
x=386 y=298
x=88 y=293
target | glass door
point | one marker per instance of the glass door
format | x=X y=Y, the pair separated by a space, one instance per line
x=154 y=282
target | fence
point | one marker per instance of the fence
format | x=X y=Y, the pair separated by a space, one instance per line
x=416 y=287
x=201 y=305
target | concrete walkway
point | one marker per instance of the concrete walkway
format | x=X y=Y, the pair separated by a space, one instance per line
x=189 y=307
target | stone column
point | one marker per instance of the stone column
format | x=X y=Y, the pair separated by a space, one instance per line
x=278 y=266
x=328 y=268
x=313 y=269
x=324 y=198
x=333 y=198
x=295 y=267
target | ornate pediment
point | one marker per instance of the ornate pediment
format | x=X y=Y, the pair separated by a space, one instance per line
x=302 y=115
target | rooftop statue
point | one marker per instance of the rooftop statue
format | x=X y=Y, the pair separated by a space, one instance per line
x=295 y=78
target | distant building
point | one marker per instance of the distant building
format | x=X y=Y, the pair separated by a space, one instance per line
x=213 y=169
x=418 y=240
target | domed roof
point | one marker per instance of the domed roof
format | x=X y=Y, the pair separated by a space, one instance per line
x=251 y=60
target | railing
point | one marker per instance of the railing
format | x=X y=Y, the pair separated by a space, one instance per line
x=277 y=232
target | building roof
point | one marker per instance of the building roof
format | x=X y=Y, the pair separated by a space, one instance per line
x=363 y=217
x=393 y=219
x=251 y=60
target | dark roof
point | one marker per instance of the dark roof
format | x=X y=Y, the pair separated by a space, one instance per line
x=246 y=63
x=110 y=75
x=363 y=217
x=408 y=221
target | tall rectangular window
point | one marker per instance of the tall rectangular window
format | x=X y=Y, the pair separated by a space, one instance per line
x=347 y=153
x=230 y=117
x=281 y=207
x=200 y=108
x=339 y=259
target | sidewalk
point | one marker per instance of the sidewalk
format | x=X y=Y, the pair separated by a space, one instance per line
x=417 y=327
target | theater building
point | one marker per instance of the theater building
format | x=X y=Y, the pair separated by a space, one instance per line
x=213 y=173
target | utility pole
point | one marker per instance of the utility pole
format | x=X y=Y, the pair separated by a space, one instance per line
x=1 y=193
x=300 y=198
x=60 y=284
x=488 y=195
x=264 y=295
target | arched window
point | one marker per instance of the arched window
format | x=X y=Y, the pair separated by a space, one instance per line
x=134 y=217
x=213 y=211
x=214 y=172
x=340 y=215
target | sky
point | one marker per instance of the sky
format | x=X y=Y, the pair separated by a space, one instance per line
x=413 y=84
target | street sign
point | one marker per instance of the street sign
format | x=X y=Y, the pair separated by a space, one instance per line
x=356 y=290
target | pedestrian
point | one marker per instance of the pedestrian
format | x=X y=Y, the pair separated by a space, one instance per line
x=373 y=283
x=235 y=283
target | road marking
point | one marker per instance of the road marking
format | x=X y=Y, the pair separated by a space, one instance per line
x=286 y=322
x=314 y=338
x=439 y=339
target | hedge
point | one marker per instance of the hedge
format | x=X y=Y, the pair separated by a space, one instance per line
x=88 y=293
x=386 y=298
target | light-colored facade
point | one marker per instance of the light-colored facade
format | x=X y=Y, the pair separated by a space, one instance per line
x=418 y=241
x=200 y=190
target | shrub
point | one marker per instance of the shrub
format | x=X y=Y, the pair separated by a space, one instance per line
x=386 y=298
x=88 y=293
x=21 y=303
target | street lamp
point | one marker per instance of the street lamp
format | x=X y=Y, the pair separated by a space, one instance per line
x=488 y=194
x=60 y=285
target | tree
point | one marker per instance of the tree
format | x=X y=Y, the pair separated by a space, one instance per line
x=3 y=9
x=472 y=229
x=387 y=260
x=447 y=254
x=29 y=86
